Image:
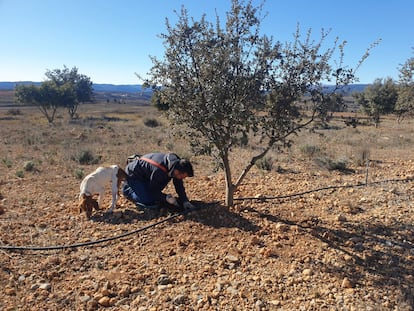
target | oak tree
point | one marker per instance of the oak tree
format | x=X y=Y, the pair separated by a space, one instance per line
x=231 y=85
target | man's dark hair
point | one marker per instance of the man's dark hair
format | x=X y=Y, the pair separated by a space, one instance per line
x=185 y=166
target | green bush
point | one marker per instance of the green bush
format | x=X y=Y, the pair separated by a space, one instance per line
x=86 y=157
x=151 y=122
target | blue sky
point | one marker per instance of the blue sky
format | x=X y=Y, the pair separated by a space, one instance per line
x=110 y=40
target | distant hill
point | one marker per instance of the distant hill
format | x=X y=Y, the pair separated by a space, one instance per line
x=136 y=88
x=127 y=88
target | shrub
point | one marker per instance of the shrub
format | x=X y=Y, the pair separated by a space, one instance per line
x=79 y=173
x=362 y=156
x=14 y=112
x=310 y=150
x=151 y=122
x=29 y=166
x=332 y=165
x=7 y=162
x=265 y=164
x=86 y=157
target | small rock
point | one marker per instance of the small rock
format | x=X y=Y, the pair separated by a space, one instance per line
x=179 y=299
x=10 y=291
x=125 y=291
x=163 y=279
x=45 y=286
x=104 y=301
x=85 y=298
x=346 y=283
x=232 y=258
x=341 y=218
x=281 y=227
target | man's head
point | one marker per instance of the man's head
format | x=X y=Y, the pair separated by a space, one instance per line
x=183 y=169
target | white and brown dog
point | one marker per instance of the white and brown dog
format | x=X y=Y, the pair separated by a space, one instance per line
x=95 y=183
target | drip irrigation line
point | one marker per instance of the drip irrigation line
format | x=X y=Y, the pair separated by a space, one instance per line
x=76 y=245
x=279 y=197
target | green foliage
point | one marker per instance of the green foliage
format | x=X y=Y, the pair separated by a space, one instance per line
x=65 y=88
x=378 y=99
x=20 y=173
x=86 y=157
x=151 y=122
x=75 y=88
x=405 y=101
x=230 y=83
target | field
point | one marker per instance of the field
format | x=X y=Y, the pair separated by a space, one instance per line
x=316 y=227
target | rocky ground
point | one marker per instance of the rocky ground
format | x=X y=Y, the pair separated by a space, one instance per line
x=300 y=237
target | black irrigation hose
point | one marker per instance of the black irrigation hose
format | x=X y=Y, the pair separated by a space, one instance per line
x=60 y=247
x=57 y=247
x=321 y=189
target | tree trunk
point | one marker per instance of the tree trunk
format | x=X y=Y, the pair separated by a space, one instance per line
x=229 y=185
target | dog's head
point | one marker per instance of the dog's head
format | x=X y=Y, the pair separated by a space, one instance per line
x=87 y=203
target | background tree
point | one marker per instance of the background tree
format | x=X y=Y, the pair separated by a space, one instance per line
x=231 y=85
x=65 y=88
x=378 y=99
x=405 y=101
x=70 y=79
x=46 y=98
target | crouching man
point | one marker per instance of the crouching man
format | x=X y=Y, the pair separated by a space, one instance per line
x=149 y=174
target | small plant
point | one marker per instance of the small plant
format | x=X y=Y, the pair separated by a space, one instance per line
x=310 y=150
x=79 y=173
x=265 y=164
x=20 y=173
x=362 y=156
x=14 y=112
x=86 y=157
x=332 y=165
x=29 y=166
x=151 y=122
x=7 y=162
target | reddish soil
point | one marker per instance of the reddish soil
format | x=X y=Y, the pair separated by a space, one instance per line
x=300 y=237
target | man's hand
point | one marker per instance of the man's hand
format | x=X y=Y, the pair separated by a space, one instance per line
x=188 y=205
x=171 y=200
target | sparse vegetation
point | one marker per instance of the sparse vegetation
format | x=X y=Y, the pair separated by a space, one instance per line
x=338 y=241
x=86 y=157
x=151 y=122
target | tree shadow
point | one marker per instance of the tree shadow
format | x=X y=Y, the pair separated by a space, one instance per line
x=209 y=214
x=384 y=252
x=216 y=215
